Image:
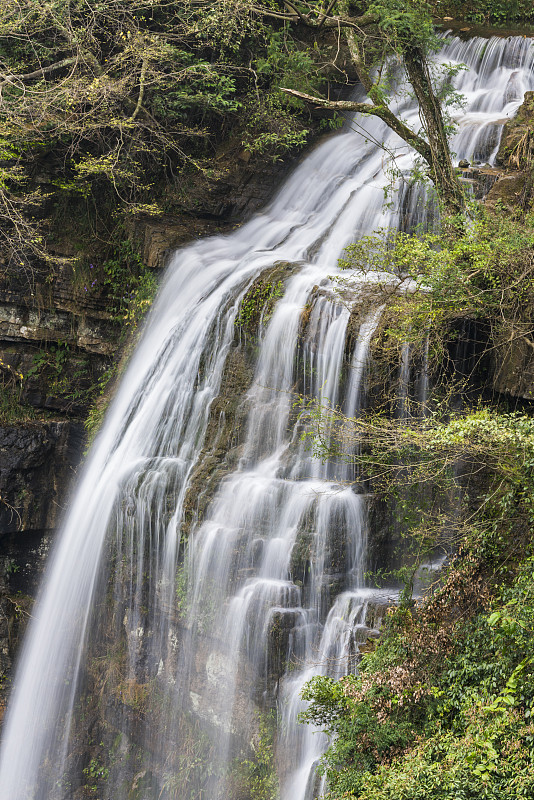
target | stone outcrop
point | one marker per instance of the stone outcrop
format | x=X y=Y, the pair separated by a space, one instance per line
x=512 y=191
x=514 y=368
x=507 y=191
x=518 y=136
x=37 y=461
x=56 y=340
x=215 y=205
x=514 y=359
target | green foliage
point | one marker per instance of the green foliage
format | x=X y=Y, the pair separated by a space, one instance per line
x=493 y=12
x=123 y=281
x=432 y=279
x=271 y=129
x=93 y=423
x=442 y=707
x=129 y=288
x=359 y=737
x=405 y=24
x=107 y=101
x=52 y=361
x=11 y=567
x=258 y=303
x=96 y=773
x=282 y=60
x=272 y=125
x=12 y=411
x=255 y=778
x=63 y=373
x=95 y=417
x=207 y=92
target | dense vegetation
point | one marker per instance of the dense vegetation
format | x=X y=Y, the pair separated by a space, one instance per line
x=111 y=114
x=116 y=108
x=492 y=12
x=120 y=106
x=442 y=705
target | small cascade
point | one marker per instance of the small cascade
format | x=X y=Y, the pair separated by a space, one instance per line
x=493 y=87
x=347 y=627
x=167 y=626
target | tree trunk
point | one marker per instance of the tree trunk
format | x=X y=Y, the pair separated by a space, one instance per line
x=445 y=179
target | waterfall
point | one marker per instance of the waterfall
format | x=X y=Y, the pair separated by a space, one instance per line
x=209 y=563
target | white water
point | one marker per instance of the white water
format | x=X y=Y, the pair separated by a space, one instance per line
x=113 y=575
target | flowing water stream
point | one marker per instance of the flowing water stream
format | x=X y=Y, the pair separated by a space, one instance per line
x=209 y=564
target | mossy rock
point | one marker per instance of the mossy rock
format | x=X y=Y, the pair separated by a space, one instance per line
x=223 y=434
x=228 y=411
x=281 y=625
x=507 y=192
x=518 y=132
x=301 y=556
x=258 y=302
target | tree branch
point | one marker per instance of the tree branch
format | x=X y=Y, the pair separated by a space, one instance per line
x=326 y=14
x=382 y=112
x=324 y=20
x=141 y=90
x=38 y=73
x=359 y=61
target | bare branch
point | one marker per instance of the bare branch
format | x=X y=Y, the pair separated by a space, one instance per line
x=402 y=130
x=141 y=90
x=38 y=73
x=324 y=20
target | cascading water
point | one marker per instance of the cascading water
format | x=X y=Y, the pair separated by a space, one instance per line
x=167 y=623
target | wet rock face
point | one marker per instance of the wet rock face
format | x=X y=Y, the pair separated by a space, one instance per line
x=37 y=463
x=513 y=361
x=22 y=559
x=514 y=368
x=55 y=341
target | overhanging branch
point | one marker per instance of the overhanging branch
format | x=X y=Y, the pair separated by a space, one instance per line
x=38 y=73
x=323 y=21
x=382 y=112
